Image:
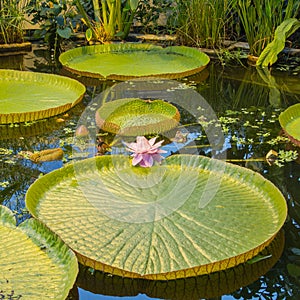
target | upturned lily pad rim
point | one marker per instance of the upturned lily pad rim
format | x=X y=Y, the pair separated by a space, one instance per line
x=289 y=115
x=201 y=59
x=37 y=238
x=137 y=109
x=260 y=186
x=13 y=77
x=203 y=286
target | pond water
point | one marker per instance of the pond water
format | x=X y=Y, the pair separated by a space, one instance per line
x=247 y=103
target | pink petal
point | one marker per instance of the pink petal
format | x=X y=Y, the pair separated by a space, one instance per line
x=147 y=161
x=158 y=144
x=132 y=147
x=137 y=158
x=157 y=158
x=152 y=141
x=162 y=151
x=142 y=144
x=154 y=151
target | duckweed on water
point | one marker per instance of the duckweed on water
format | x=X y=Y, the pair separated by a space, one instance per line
x=252 y=129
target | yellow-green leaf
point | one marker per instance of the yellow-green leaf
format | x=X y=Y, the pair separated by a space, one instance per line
x=134 y=116
x=270 y=54
x=148 y=222
x=28 y=96
x=199 y=287
x=128 y=60
x=289 y=120
x=34 y=263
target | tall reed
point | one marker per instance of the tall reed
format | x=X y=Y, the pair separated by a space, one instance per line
x=204 y=23
x=12 y=19
x=260 y=18
x=113 y=18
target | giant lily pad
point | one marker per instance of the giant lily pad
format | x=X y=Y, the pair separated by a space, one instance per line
x=290 y=122
x=34 y=262
x=125 y=61
x=28 y=96
x=193 y=288
x=131 y=116
x=148 y=222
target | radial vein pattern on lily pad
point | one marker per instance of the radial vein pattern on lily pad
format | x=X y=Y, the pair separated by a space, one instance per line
x=34 y=263
x=147 y=222
x=135 y=116
x=129 y=60
x=29 y=96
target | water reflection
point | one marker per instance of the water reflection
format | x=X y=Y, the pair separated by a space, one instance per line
x=237 y=87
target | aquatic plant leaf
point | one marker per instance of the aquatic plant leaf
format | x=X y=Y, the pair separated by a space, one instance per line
x=270 y=54
x=134 y=4
x=36 y=264
x=28 y=96
x=289 y=120
x=7 y=217
x=193 y=288
x=125 y=61
x=89 y=34
x=134 y=116
x=146 y=222
x=274 y=94
x=258 y=258
x=65 y=32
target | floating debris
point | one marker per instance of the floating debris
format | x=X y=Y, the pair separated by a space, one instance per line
x=47 y=155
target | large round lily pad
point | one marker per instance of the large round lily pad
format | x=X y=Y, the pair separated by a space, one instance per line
x=28 y=96
x=125 y=61
x=34 y=263
x=134 y=116
x=193 y=288
x=148 y=222
x=290 y=123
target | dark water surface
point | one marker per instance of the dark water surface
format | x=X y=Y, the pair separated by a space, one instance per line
x=247 y=103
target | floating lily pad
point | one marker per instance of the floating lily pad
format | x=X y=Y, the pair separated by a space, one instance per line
x=193 y=288
x=34 y=262
x=147 y=222
x=134 y=117
x=35 y=129
x=28 y=96
x=125 y=61
x=290 y=123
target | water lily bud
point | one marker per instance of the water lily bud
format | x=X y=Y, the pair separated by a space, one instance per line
x=271 y=157
x=81 y=131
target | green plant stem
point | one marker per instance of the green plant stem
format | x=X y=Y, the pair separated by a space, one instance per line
x=96 y=11
x=128 y=23
x=112 y=20
x=104 y=13
x=119 y=22
x=85 y=17
x=245 y=160
x=262 y=159
x=190 y=124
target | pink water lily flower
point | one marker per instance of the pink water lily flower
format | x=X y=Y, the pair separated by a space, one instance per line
x=145 y=152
